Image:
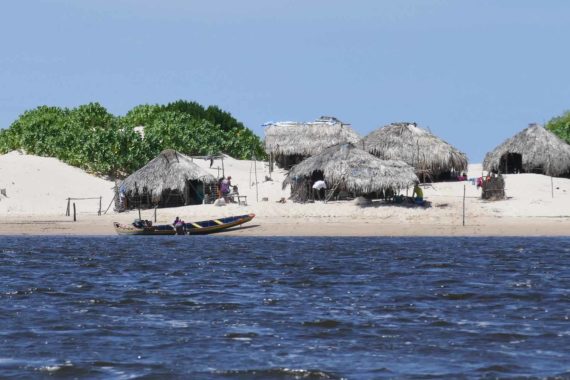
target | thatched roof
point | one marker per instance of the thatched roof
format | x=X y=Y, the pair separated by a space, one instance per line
x=306 y=139
x=169 y=170
x=355 y=169
x=415 y=146
x=538 y=147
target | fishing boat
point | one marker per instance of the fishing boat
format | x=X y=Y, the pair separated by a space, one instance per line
x=135 y=229
x=189 y=228
x=216 y=225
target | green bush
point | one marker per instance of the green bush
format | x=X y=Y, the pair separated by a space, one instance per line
x=560 y=126
x=91 y=138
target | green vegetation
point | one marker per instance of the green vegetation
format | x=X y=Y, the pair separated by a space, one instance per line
x=560 y=126
x=91 y=138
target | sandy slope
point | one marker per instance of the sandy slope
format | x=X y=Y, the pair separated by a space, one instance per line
x=41 y=185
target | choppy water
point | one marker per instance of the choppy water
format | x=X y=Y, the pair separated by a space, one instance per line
x=284 y=308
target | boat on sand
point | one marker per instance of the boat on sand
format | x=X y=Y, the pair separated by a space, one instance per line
x=188 y=228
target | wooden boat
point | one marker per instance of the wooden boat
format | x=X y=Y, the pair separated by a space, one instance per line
x=191 y=228
x=216 y=225
x=131 y=229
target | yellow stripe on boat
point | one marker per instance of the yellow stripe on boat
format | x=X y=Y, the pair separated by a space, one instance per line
x=218 y=221
x=196 y=225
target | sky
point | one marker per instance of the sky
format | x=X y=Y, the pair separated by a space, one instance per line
x=474 y=72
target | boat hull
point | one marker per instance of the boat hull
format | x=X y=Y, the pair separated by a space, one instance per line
x=203 y=227
x=129 y=229
x=216 y=225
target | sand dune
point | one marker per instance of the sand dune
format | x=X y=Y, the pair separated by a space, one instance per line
x=37 y=189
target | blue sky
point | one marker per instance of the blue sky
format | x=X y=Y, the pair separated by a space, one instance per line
x=473 y=72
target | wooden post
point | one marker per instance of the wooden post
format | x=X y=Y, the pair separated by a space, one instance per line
x=155 y=207
x=74 y=213
x=100 y=201
x=552 y=186
x=250 y=165
x=140 y=212
x=255 y=169
x=464 y=187
x=223 y=169
x=67 y=211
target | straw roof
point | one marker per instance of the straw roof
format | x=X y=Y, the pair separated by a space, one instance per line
x=539 y=148
x=169 y=170
x=415 y=146
x=306 y=139
x=358 y=171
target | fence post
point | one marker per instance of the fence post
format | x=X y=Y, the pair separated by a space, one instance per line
x=100 y=201
x=464 y=205
x=255 y=170
x=155 y=213
x=67 y=211
x=74 y=213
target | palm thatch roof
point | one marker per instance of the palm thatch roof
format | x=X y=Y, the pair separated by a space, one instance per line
x=356 y=170
x=541 y=151
x=306 y=139
x=170 y=170
x=415 y=146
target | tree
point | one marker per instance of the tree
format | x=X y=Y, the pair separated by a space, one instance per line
x=36 y=131
x=560 y=126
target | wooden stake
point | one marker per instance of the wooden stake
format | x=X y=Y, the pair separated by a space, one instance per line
x=464 y=187
x=74 y=213
x=255 y=168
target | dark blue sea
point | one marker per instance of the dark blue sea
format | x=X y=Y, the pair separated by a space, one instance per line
x=218 y=307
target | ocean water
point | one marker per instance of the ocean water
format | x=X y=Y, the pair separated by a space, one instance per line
x=218 y=307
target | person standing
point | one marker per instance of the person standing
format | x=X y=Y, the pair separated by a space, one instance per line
x=418 y=194
x=226 y=186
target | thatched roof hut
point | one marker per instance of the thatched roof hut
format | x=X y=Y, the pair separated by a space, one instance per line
x=171 y=179
x=534 y=150
x=417 y=147
x=288 y=143
x=344 y=167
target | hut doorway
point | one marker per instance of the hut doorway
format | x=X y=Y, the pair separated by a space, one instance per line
x=511 y=163
x=287 y=161
x=194 y=192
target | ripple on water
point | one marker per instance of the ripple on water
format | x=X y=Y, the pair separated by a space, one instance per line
x=284 y=308
x=277 y=373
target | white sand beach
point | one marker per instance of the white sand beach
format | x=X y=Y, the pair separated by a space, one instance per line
x=37 y=189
